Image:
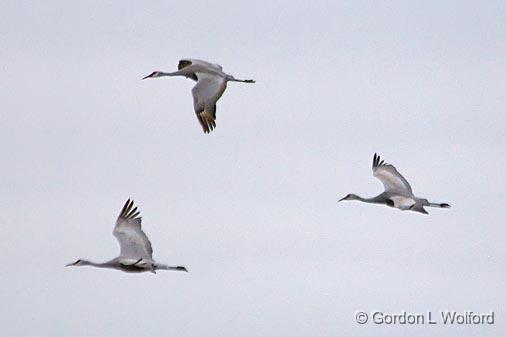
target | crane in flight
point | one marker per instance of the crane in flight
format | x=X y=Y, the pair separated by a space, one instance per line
x=211 y=84
x=136 y=254
x=398 y=193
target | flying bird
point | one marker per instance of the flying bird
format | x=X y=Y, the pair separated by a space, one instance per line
x=136 y=254
x=211 y=84
x=397 y=192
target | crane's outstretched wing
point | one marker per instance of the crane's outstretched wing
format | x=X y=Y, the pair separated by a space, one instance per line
x=391 y=179
x=206 y=93
x=133 y=242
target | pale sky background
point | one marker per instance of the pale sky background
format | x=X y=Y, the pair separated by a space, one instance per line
x=251 y=209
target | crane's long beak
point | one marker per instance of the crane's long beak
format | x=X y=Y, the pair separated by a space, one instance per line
x=151 y=75
x=342 y=199
x=73 y=263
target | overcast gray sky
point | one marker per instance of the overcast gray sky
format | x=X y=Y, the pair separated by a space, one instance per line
x=251 y=209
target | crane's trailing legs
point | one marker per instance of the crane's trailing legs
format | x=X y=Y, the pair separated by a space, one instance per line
x=233 y=79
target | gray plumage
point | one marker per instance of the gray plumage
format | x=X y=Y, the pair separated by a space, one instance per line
x=398 y=192
x=136 y=253
x=211 y=84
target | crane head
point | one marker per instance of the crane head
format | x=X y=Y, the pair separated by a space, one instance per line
x=77 y=263
x=152 y=75
x=350 y=196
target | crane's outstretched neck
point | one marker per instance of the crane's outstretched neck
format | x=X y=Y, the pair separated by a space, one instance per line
x=376 y=200
x=81 y=262
x=156 y=74
x=100 y=265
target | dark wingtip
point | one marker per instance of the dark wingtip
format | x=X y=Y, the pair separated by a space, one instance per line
x=125 y=206
x=129 y=211
x=445 y=205
x=376 y=160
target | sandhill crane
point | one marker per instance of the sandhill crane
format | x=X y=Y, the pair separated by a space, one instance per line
x=211 y=83
x=136 y=254
x=397 y=192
